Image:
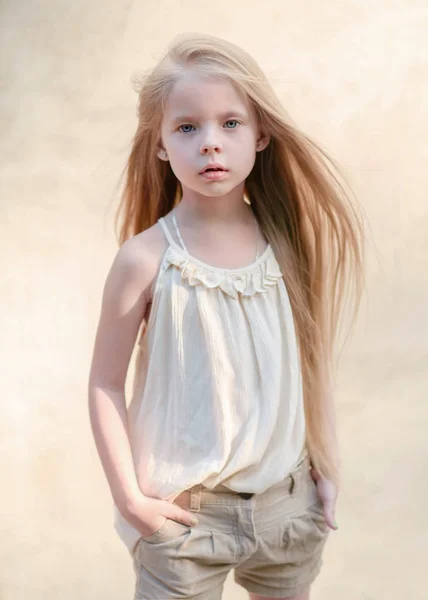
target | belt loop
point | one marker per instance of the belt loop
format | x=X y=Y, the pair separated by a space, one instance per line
x=292 y=484
x=195 y=498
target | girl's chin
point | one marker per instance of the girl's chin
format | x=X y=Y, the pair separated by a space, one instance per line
x=211 y=190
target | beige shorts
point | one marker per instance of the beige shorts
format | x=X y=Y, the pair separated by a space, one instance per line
x=274 y=542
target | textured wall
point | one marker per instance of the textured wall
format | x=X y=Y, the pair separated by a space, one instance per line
x=353 y=75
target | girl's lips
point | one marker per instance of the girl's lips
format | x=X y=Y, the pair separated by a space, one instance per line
x=214 y=175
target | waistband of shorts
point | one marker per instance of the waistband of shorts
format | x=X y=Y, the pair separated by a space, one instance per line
x=197 y=496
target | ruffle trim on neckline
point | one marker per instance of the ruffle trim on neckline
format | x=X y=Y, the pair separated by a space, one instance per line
x=247 y=281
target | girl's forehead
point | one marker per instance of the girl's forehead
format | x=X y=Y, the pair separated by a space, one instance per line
x=196 y=93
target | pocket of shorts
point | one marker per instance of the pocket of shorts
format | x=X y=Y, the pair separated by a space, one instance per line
x=307 y=534
x=316 y=515
x=169 y=530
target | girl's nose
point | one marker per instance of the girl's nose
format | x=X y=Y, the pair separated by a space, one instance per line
x=210 y=146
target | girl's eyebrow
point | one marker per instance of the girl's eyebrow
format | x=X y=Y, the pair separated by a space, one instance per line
x=222 y=117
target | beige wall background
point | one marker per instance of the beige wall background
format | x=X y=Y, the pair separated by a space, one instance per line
x=354 y=76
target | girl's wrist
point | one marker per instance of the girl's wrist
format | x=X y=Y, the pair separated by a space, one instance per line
x=129 y=499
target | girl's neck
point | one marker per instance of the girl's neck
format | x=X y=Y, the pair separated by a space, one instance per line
x=221 y=210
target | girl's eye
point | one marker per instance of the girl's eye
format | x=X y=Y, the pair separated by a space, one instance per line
x=186 y=128
x=232 y=124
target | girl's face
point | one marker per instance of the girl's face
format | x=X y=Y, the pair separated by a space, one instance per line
x=207 y=123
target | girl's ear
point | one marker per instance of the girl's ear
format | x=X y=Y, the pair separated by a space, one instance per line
x=162 y=153
x=262 y=142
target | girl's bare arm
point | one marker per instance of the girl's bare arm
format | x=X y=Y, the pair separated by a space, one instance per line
x=125 y=299
x=124 y=303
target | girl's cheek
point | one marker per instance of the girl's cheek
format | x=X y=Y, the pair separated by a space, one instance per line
x=182 y=162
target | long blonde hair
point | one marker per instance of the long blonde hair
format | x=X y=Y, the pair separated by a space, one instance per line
x=301 y=205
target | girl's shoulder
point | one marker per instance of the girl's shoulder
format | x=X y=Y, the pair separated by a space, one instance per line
x=149 y=244
x=143 y=254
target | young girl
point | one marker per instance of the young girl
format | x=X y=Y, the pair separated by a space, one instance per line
x=237 y=247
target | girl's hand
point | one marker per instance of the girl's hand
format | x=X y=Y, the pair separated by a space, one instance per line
x=327 y=493
x=148 y=515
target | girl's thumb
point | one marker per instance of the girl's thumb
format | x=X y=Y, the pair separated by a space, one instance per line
x=329 y=515
x=183 y=516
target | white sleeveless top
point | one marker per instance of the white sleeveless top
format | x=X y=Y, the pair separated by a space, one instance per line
x=217 y=395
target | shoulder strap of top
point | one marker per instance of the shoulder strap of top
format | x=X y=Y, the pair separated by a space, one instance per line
x=183 y=245
x=166 y=231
